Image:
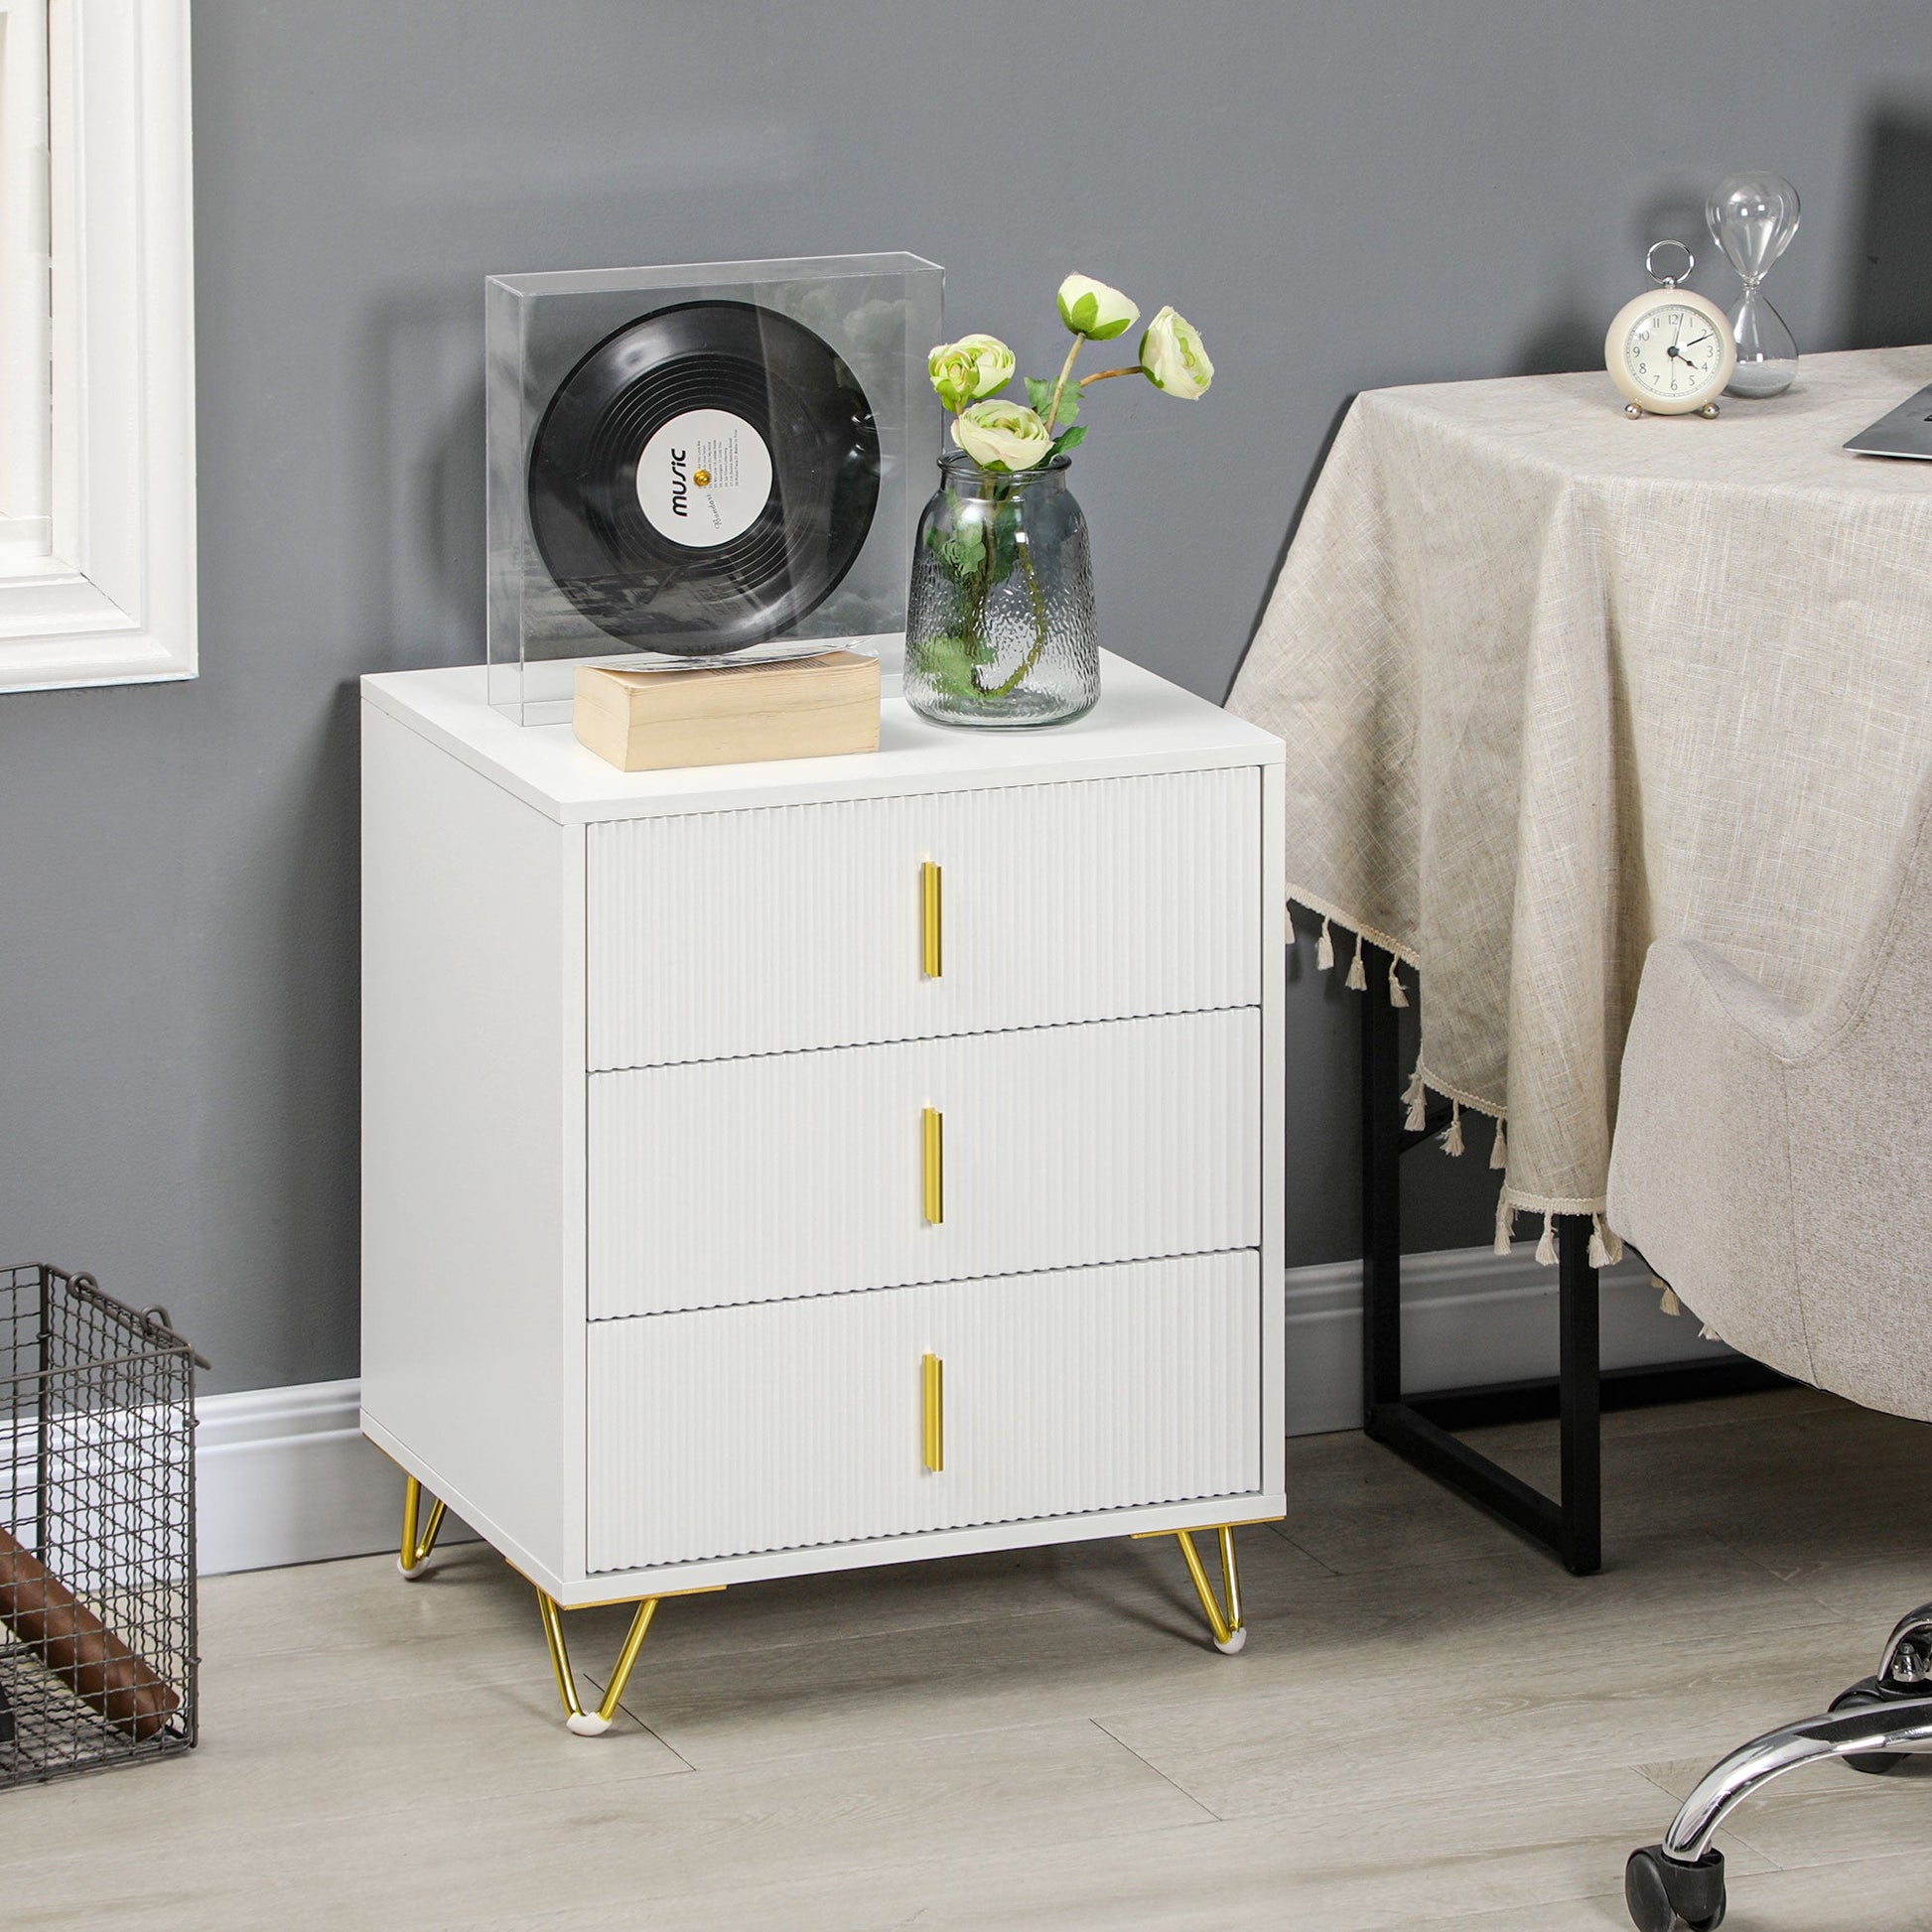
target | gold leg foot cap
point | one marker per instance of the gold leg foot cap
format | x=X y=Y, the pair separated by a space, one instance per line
x=413 y=1558
x=1237 y=1641
x=587 y=1724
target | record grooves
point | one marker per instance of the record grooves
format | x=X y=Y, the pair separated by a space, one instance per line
x=658 y=549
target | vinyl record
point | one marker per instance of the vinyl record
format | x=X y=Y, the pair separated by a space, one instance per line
x=704 y=478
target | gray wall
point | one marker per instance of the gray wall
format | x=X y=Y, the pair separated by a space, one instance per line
x=1341 y=197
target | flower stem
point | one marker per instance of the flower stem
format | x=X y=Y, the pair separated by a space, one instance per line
x=1033 y=657
x=1059 y=388
x=1100 y=375
x=980 y=589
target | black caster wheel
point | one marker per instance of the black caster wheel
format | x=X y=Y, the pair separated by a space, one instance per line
x=1874 y=1764
x=1659 y=1892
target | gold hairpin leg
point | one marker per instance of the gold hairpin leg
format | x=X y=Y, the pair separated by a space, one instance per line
x=1229 y=1632
x=415 y=1548
x=591 y=1723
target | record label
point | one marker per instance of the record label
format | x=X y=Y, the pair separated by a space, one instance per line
x=704 y=479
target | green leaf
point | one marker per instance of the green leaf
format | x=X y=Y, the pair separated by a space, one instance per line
x=950 y=662
x=1068 y=440
x=1039 y=394
x=965 y=549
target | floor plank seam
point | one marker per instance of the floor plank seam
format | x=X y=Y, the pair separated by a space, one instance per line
x=1280 y=1530
x=1213 y=1814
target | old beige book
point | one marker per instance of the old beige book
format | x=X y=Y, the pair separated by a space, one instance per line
x=649 y=720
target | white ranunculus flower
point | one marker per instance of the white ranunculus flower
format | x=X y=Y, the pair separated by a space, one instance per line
x=1093 y=310
x=1002 y=436
x=969 y=368
x=1172 y=356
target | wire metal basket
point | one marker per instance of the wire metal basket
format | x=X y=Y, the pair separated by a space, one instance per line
x=98 y=1633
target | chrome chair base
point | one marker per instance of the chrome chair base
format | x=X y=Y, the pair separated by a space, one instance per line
x=1881 y=1724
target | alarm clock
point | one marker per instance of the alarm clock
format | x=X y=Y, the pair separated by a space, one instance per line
x=1670 y=351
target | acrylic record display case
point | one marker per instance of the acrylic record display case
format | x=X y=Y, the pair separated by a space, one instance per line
x=698 y=462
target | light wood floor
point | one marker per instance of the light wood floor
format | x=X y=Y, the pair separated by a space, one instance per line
x=1431 y=1727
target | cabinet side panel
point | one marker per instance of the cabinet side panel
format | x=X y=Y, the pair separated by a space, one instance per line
x=472 y=1286
x=1272 y=892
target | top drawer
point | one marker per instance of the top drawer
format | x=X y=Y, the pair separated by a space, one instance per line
x=724 y=933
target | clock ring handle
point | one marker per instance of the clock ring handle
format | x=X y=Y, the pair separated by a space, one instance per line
x=1650 y=265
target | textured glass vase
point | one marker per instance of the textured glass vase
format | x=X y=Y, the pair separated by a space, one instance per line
x=1000 y=625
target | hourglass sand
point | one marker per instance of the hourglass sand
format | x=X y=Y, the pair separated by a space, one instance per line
x=1752 y=218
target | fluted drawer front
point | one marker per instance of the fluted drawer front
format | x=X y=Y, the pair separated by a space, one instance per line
x=809 y=1174
x=724 y=933
x=796 y=1424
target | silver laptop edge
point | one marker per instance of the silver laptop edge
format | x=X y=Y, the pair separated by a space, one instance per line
x=1905 y=431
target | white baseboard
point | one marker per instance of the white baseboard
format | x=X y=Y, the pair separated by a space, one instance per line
x=1470 y=1317
x=283 y=1475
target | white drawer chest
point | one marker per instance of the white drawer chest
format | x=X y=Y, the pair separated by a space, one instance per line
x=781 y=1167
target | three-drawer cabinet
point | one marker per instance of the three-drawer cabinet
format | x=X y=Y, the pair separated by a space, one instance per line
x=781 y=1168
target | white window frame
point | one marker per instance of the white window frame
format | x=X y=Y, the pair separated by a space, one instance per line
x=114 y=601
x=26 y=455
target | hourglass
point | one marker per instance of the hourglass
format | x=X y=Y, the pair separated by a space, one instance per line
x=1752 y=218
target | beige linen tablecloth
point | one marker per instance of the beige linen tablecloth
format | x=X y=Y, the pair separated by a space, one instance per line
x=1555 y=683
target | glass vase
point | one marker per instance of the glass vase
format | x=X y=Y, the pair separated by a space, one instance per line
x=999 y=627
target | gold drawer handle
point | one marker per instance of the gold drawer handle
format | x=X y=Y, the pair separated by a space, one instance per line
x=932 y=1151
x=934 y=1378
x=931 y=958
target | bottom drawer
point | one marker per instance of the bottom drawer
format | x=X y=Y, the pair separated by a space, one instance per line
x=784 y=1424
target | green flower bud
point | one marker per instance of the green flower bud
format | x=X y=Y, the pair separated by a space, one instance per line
x=965 y=371
x=1093 y=310
x=1173 y=358
x=1002 y=436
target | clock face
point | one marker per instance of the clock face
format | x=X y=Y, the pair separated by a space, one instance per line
x=1675 y=352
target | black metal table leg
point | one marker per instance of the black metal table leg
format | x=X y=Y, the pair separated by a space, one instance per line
x=1579 y=1532
x=1382 y=1135
x=1570 y=1529
x=1418 y=1427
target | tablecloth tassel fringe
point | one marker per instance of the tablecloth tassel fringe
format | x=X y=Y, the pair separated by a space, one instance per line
x=1325 y=949
x=1357 y=980
x=1666 y=1295
x=1453 y=1134
x=1606 y=1248
x=1499 y=1148
x=1709 y=1333
x=1505 y=1224
x=1417 y=1096
x=1398 y=993
x=1546 y=1249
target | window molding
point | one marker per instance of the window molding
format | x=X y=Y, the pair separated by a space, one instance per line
x=114 y=601
x=25 y=452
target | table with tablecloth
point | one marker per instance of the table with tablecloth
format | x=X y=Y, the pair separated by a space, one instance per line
x=1555 y=683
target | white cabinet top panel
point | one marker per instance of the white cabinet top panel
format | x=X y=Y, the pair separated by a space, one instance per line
x=1141 y=724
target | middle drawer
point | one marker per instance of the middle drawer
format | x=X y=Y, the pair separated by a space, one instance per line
x=813 y=1173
